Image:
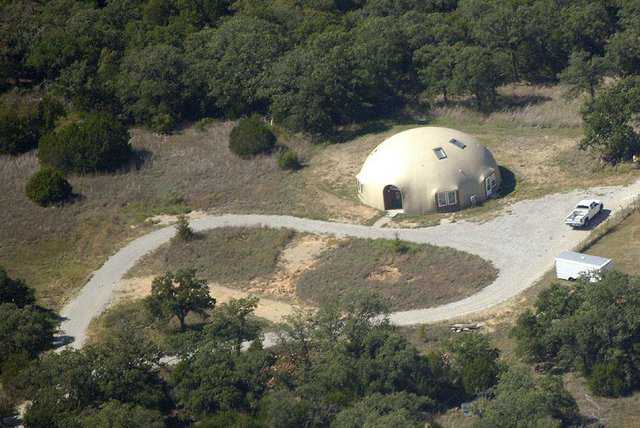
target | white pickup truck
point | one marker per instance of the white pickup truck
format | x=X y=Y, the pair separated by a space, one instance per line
x=584 y=212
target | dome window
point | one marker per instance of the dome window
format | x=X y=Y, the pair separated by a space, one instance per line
x=457 y=143
x=440 y=153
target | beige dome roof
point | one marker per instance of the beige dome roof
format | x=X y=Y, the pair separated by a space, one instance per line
x=421 y=162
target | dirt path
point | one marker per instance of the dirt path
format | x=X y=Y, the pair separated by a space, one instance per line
x=521 y=243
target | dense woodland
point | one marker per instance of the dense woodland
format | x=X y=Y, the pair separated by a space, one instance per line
x=319 y=65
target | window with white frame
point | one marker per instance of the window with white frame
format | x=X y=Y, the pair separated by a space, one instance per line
x=447 y=199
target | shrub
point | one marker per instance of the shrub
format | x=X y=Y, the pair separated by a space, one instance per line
x=48 y=186
x=15 y=290
x=611 y=378
x=251 y=137
x=93 y=142
x=22 y=124
x=184 y=231
x=288 y=159
x=18 y=131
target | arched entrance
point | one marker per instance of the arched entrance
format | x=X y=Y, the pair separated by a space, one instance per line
x=392 y=198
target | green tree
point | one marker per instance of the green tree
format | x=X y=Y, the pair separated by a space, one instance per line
x=251 y=137
x=233 y=60
x=151 y=86
x=114 y=414
x=183 y=229
x=179 y=294
x=479 y=72
x=63 y=385
x=583 y=73
x=522 y=401
x=91 y=142
x=25 y=330
x=378 y=410
x=313 y=87
x=527 y=33
x=474 y=362
x=15 y=291
x=48 y=186
x=590 y=329
x=18 y=130
x=216 y=378
x=623 y=51
x=435 y=65
x=609 y=121
x=234 y=323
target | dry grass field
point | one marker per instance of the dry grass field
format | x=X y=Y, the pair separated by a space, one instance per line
x=409 y=276
x=224 y=256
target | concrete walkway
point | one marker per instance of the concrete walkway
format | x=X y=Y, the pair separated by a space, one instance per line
x=521 y=243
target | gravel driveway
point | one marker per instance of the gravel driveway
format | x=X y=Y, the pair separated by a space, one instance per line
x=521 y=243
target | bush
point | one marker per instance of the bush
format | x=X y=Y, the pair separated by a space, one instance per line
x=251 y=137
x=15 y=290
x=18 y=131
x=48 y=186
x=93 y=142
x=184 y=231
x=288 y=159
x=611 y=378
x=21 y=125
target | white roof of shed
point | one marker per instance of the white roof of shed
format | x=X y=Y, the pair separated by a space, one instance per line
x=583 y=258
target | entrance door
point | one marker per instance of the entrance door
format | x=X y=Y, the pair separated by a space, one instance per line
x=392 y=198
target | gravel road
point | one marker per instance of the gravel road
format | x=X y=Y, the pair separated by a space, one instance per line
x=521 y=243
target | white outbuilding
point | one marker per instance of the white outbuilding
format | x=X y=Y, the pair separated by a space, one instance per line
x=571 y=265
x=428 y=169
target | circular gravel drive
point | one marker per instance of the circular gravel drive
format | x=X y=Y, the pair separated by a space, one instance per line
x=522 y=243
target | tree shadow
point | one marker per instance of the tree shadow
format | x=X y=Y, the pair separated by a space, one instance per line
x=139 y=157
x=508 y=102
x=347 y=134
x=502 y=103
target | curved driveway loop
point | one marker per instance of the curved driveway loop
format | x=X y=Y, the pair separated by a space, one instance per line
x=521 y=243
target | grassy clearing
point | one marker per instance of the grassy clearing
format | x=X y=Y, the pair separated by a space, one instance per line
x=55 y=249
x=622 y=244
x=226 y=255
x=410 y=276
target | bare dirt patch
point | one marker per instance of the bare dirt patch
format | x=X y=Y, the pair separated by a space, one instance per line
x=390 y=274
x=300 y=255
x=167 y=219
